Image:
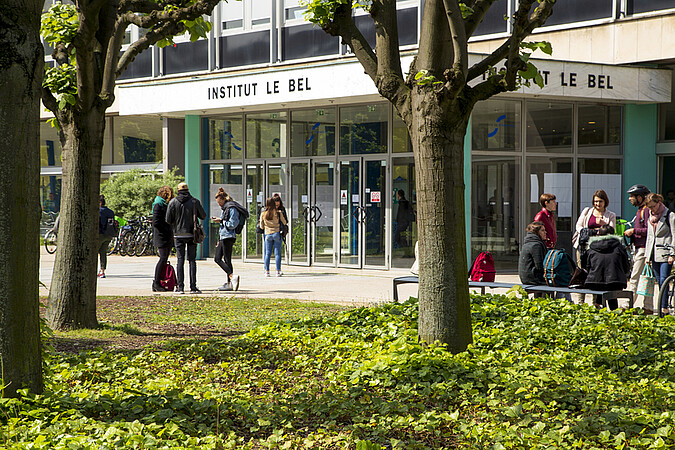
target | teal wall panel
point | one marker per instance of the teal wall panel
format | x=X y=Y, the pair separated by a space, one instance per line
x=640 y=160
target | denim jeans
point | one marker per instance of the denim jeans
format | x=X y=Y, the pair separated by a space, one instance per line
x=271 y=240
x=181 y=245
x=661 y=272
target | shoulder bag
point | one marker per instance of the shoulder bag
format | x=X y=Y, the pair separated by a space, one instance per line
x=198 y=230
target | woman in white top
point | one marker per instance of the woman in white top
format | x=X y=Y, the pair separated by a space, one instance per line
x=594 y=217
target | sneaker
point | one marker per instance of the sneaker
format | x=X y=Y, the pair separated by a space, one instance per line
x=279 y=273
x=267 y=273
x=156 y=287
x=226 y=287
x=195 y=291
x=235 y=282
x=180 y=291
x=101 y=275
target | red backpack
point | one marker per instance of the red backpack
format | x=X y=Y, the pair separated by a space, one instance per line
x=168 y=280
x=483 y=268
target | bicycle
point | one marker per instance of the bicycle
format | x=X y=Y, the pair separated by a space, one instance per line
x=667 y=289
x=50 y=237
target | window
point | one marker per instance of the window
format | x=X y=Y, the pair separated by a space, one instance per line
x=266 y=135
x=549 y=127
x=401 y=138
x=50 y=146
x=599 y=129
x=667 y=122
x=495 y=126
x=602 y=174
x=230 y=178
x=232 y=14
x=226 y=138
x=363 y=129
x=137 y=139
x=313 y=132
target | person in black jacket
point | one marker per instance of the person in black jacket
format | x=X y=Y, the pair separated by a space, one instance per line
x=180 y=215
x=162 y=235
x=606 y=262
x=106 y=233
x=531 y=260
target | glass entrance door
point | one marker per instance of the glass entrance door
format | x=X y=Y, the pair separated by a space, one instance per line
x=321 y=213
x=299 y=208
x=363 y=196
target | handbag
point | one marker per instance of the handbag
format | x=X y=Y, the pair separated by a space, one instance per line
x=259 y=230
x=198 y=233
x=647 y=282
x=578 y=278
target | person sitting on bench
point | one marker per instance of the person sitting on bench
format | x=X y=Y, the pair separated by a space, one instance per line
x=531 y=260
x=607 y=264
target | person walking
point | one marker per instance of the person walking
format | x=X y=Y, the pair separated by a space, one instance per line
x=660 y=232
x=162 y=234
x=404 y=217
x=180 y=214
x=231 y=215
x=638 y=234
x=548 y=205
x=607 y=264
x=270 y=222
x=106 y=232
x=531 y=259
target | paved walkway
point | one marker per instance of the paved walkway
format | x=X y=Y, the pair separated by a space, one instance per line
x=132 y=276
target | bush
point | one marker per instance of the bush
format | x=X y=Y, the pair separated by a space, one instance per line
x=130 y=194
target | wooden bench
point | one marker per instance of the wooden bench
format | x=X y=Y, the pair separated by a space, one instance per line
x=529 y=288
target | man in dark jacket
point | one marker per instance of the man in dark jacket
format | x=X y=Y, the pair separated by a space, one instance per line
x=106 y=233
x=532 y=254
x=607 y=263
x=180 y=215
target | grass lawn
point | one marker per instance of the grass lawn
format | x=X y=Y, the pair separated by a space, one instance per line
x=170 y=372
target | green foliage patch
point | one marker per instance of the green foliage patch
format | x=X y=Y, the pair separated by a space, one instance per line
x=541 y=373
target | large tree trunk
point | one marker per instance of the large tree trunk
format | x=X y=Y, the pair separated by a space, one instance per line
x=437 y=135
x=72 y=295
x=21 y=69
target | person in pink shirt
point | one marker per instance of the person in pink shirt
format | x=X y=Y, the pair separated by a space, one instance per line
x=548 y=205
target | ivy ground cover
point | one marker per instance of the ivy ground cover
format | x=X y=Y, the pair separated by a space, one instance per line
x=541 y=373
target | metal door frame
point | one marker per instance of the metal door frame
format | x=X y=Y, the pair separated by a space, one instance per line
x=312 y=203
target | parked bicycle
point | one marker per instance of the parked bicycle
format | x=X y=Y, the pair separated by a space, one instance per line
x=50 y=237
x=667 y=290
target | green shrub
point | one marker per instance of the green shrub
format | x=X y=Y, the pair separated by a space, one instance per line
x=130 y=194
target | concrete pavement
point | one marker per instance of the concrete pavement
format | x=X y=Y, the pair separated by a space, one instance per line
x=132 y=276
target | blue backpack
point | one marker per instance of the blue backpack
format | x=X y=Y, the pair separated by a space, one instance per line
x=558 y=268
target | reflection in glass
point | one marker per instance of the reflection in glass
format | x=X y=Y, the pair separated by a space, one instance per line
x=495 y=125
x=667 y=122
x=495 y=225
x=549 y=127
x=50 y=146
x=599 y=125
x=137 y=139
x=401 y=137
x=363 y=129
x=226 y=138
x=322 y=214
x=50 y=193
x=404 y=206
x=350 y=212
x=255 y=204
x=266 y=135
x=299 y=204
x=552 y=176
x=230 y=178
x=375 y=199
x=313 y=132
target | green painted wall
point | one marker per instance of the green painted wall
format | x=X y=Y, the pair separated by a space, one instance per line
x=640 y=160
x=467 y=191
x=193 y=151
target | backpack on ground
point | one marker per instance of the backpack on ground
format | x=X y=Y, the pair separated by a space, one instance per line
x=483 y=268
x=558 y=268
x=168 y=280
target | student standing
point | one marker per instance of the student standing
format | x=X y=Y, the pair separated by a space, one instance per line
x=548 y=205
x=231 y=215
x=270 y=222
x=180 y=215
x=162 y=235
x=593 y=218
x=660 y=232
x=637 y=195
x=106 y=233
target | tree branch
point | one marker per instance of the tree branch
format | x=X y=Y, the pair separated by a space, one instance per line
x=435 y=48
x=480 y=8
x=459 y=42
x=522 y=28
x=49 y=101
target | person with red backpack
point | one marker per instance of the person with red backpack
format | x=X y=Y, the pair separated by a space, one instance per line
x=531 y=260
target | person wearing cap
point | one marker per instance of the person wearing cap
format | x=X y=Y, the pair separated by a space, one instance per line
x=180 y=215
x=638 y=234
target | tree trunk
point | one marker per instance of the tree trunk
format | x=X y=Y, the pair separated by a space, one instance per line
x=437 y=135
x=72 y=296
x=21 y=69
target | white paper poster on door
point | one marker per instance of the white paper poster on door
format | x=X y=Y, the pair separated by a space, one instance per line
x=343 y=197
x=560 y=185
x=611 y=184
x=249 y=195
x=375 y=196
x=325 y=202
